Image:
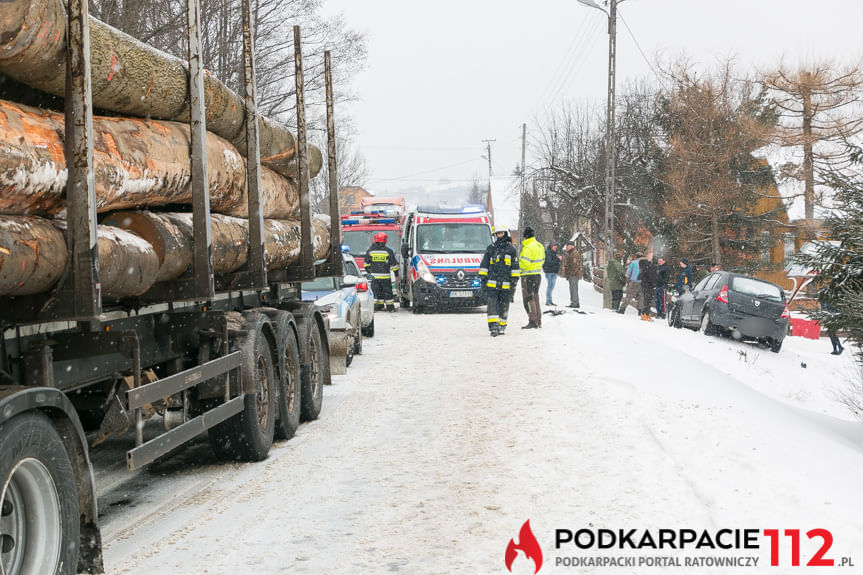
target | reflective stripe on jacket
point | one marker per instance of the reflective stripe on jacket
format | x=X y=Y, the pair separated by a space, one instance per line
x=380 y=260
x=499 y=267
x=532 y=257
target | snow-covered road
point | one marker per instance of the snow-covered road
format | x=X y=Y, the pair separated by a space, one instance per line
x=440 y=442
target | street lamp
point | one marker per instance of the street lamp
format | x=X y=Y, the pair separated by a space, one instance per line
x=608 y=226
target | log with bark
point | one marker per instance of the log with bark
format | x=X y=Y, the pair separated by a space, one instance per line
x=33 y=257
x=130 y=78
x=138 y=163
x=137 y=249
x=171 y=235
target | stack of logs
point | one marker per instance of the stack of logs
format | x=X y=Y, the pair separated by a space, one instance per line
x=141 y=166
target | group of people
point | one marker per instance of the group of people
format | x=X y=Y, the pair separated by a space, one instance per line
x=502 y=268
x=645 y=281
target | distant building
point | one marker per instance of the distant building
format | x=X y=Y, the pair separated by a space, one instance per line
x=350 y=198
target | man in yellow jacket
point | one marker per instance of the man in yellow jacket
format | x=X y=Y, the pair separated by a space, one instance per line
x=530 y=262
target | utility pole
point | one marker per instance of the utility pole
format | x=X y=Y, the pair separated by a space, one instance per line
x=521 y=196
x=608 y=225
x=608 y=228
x=488 y=144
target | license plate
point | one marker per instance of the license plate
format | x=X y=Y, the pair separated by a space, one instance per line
x=461 y=294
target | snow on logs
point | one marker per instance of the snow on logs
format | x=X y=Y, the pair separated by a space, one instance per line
x=131 y=78
x=138 y=163
x=33 y=256
x=138 y=249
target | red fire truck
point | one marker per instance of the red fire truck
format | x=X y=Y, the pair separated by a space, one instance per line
x=377 y=215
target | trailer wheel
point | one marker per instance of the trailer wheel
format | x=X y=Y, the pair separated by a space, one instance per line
x=248 y=435
x=314 y=376
x=39 y=526
x=289 y=378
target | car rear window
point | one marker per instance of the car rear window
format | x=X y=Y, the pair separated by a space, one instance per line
x=757 y=288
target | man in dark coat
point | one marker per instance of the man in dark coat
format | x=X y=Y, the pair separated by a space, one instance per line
x=647 y=275
x=499 y=272
x=684 y=277
x=550 y=268
x=616 y=278
x=663 y=272
x=573 y=268
x=380 y=261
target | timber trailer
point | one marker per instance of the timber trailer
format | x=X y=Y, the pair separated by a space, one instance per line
x=237 y=355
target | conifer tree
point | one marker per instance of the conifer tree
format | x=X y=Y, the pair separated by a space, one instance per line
x=839 y=261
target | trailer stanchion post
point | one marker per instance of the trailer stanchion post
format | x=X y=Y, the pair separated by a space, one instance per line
x=202 y=231
x=307 y=256
x=80 y=184
x=335 y=219
x=257 y=266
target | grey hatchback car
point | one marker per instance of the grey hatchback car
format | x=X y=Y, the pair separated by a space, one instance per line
x=744 y=307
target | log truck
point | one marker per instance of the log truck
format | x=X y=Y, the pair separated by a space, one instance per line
x=150 y=263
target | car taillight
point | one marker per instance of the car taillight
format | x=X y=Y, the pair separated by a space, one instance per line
x=723 y=294
x=786 y=313
x=363 y=286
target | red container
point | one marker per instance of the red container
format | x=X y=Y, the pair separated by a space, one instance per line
x=805 y=328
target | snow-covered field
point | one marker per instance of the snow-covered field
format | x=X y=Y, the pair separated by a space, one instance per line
x=440 y=442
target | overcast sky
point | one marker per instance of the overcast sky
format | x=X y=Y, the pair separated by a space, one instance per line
x=443 y=76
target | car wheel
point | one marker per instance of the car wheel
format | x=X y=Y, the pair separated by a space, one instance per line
x=358 y=342
x=674 y=318
x=369 y=330
x=707 y=324
x=775 y=345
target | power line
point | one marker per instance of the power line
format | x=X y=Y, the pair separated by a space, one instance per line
x=566 y=56
x=424 y=172
x=640 y=51
x=417 y=149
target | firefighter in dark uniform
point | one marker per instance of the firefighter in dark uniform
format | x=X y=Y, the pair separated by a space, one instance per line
x=499 y=272
x=378 y=262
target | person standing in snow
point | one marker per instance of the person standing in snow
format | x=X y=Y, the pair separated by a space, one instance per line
x=499 y=272
x=550 y=268
x=647 y=275
x=379 y=261
x=633 y=285
x=663 y=272
x=532 y=258
x=831 y=333
x=616 y=277
x=572 y=271
x=684 y=277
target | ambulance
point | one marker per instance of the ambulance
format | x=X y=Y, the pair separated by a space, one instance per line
x=443 y=248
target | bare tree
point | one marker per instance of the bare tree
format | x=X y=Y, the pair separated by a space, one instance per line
x=162 y=24
x=819 y=108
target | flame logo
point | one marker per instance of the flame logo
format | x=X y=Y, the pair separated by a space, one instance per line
x=528 y=545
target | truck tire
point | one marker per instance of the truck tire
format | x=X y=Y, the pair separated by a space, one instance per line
x=288 y=376
x=249 y=435
x=315 y=375
x=39 y=525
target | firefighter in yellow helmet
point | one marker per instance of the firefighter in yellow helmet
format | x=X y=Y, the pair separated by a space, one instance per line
x=499 y=273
